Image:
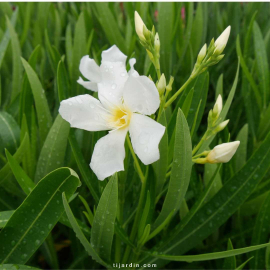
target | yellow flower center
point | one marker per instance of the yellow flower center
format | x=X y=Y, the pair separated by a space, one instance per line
x=120 y=117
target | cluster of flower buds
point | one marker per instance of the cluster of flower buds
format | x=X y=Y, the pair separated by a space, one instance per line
x=213 y=54
x=214 y=123
x=162 y=86
x=148 y=39
x=221 y=153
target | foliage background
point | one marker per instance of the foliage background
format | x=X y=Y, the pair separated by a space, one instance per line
x=45 y=33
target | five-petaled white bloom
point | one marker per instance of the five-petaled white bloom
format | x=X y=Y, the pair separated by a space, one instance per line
x=222 y=153
x=124 y=101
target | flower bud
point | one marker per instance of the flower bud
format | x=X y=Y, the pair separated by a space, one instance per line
x=150 y=55
x=169 y=86
x=217 y=107
x=157 y=43
x=161 y=84
x=202 y=54
x=222 y=153
x=222 y=40
x=221 y=126
x=146 y=33
x=139 y=25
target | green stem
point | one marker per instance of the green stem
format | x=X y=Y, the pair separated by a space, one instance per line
x=138 y=167
x=136 y=222
x=196 y=148
x=173 y=98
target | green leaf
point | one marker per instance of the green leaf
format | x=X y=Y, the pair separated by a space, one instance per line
x=5 y=172
x=4 y=217
x=261 y=233
x=53 y=54
x=16 y=64
x=37 y=215
x=9 y=132
x=103 y=224
x=240 y=267
x=6 y=38
x=43 y=112
x=145 y=213
x=241 y=153
x=110 y=26
x=62 y=81
x=200 y=96
x=88 y=247
x=262 y=63
x=264 y=123
x=54 y=148
x=78 y=51
x=211 y=256
x=248 y=75
x=22 y=178
x=229 y=262
x=187 y=102
x=181 y=169
x=160 y=166
x=26 y=97
x=165 y=31
x=69 y=47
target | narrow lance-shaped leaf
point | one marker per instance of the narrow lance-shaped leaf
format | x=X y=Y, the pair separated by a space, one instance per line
x=104 y=219
x=6 y=37
x=261 y=234
x=88 y=247
x=9 y=132
x=5 y=172
x=160 y=166
x=43 y=112
x=181 y=169
x=229 y=262
x=22 y=178
x=165 y=31
x=16 y=64
x=211 y=256
x=262 y=63
x=54 y=148
x=37 y=215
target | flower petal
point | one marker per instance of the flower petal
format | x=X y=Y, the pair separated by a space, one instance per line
x=109 y=153
x=141 y=95
x=84 y=112
x=145 y=136
x=113 y=54
x=114 y=77
x=90 y=69
x=88 y=85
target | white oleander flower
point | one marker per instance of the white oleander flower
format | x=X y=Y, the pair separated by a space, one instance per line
x=124 y=101
x=222 y=153
x=222 y=40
